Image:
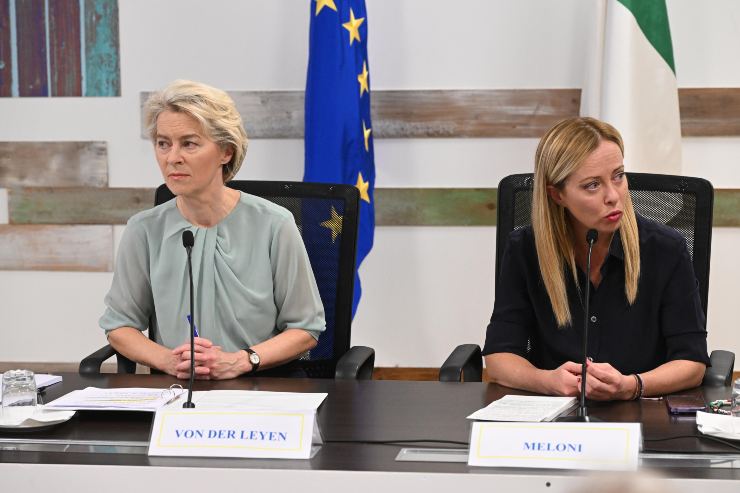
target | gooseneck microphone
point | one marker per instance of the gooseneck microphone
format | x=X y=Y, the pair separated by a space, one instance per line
x=591 y=236
x=188 y=241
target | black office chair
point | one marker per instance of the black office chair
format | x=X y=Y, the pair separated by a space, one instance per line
x=333 y=263
x=681 y=202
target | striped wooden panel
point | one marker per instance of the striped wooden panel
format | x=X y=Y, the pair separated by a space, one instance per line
x=31 y=41
x=394 y=206
x=76 y=205
x=53 y=164
x=102 y=58
x=710 y=112
x=56 y=248
x=398 y=114
x=64 y=48
x=6 y=60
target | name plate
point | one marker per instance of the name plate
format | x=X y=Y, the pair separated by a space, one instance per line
x=234 y=433
x=603 y=446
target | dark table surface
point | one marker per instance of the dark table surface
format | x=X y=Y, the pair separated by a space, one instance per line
x=355 y=412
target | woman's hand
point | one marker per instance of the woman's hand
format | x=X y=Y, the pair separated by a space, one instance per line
x=605 y=383
x=211 y=362
x=565 y=380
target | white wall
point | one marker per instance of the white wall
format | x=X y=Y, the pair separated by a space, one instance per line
x=433 y=300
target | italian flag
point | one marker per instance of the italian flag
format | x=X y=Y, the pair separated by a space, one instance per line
x=631 y=82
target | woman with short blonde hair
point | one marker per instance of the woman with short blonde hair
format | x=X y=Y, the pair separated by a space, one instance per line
x=256 y=301
x=646 y=330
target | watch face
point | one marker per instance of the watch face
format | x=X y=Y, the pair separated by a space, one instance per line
x=254 y=358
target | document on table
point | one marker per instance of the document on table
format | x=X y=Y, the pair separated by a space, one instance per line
x=123 y=399
x=43 y=380
x=525 y=408
x=258 y=400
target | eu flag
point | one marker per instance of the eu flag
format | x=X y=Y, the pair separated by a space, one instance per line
x=338 y=130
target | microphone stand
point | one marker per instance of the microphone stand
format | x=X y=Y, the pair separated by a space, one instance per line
x=188 y=241
x=582 y=416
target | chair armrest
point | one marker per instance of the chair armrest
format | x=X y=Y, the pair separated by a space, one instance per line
x=720 y=373
x=465 y=363
x=356 y=364
x=91 y=364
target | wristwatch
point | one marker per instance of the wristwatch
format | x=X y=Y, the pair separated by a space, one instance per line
x=254 y=358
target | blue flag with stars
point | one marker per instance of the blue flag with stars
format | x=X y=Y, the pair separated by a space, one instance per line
x=338 y=130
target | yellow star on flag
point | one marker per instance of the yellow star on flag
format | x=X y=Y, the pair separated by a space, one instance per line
x=362 y=186
x=366 y=133
x=334 y=223
x=362 y=79
x=353 y=26
x=320 y=4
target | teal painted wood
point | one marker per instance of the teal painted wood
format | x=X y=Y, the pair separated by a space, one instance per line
x=102 y=57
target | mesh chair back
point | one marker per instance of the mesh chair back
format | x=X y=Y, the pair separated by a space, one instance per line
x=681 y=202
x=327 y=217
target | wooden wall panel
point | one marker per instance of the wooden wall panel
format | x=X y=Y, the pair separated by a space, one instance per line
x=6 y=59
x=102 y=55
x=710 y=112
x=64 y=48
x=393 y=206
x=481 y=113
x=402 y=114
x=56 y=248
x=76 y=205
x=56 y=164
x=31 y=35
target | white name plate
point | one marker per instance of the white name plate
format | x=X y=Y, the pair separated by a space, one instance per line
x=234 y=433
x=604 y=446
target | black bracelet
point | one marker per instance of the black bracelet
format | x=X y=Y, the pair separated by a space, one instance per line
x=640 y=387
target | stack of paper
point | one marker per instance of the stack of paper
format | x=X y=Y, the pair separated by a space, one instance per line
x=525 y=408
x=129 y=399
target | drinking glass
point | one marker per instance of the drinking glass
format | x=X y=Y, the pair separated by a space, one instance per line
x=19 y=396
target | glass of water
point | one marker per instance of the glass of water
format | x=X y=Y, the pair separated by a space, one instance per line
x=19 y=396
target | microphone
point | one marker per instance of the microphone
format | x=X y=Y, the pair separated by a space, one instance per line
x=591 y=236
x=188 y=241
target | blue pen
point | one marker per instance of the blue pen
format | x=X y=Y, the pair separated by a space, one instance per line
x=195 y=329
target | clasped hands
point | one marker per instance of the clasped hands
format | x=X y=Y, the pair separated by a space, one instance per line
x=211 y=361
x=603 y=382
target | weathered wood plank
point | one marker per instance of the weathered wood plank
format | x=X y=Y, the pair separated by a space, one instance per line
x=399 y=114
x=76 y=205
x=435 y=206
x=393 y=206
x=57 y=164
x=102 y=57
x=56 y=248
x=479 y=113
x=31 y=38
x=727 y=208
x=64 y=48
x=6 y=59
x=710 y=112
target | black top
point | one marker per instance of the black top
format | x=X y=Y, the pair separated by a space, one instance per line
x=665 y=323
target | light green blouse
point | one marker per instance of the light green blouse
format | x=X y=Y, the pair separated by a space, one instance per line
x=251 y=276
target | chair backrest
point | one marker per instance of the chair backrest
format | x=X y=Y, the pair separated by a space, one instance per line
x=681 y=202
x=332 y=258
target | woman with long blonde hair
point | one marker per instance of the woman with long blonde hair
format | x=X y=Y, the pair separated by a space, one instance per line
x=646 y=330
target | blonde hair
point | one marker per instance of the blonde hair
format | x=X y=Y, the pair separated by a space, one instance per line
x=211 y=107
x=560 y=152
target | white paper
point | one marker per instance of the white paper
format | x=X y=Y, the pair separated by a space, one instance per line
x=258 y=400
x=43 y=380
x=40 y=415
x=524 y=408
x=719 y=425
x=123 y=399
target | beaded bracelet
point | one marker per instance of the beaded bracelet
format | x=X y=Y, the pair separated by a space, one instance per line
x=640 y=386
